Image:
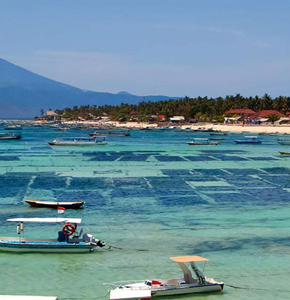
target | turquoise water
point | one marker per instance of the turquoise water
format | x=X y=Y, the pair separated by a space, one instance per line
x=154 y=197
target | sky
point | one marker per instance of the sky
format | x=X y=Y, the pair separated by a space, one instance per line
x=153 y=47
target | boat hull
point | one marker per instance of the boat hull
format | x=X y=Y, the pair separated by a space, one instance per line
x=201 y=144
x=45 y=247
x=248 y=142
x=209 y=288
x=55 y=205
x=77 y=144
x=284 y=153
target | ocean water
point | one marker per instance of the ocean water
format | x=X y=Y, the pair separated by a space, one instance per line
x=151 y=196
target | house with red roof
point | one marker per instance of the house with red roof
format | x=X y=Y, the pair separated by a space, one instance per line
x=241 y=111
x=263 y=114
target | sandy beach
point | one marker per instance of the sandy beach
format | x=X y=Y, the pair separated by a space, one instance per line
x=267 y=128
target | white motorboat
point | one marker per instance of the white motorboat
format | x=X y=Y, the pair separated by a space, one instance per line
x=4 y=136
x=77 y=141
x=202 y=142
x=158 y=287
x=68 y=240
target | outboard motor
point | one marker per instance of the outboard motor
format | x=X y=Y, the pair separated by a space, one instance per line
x=89 y=238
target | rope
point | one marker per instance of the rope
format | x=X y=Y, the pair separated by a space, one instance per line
x=119 y=248
x=255 y=289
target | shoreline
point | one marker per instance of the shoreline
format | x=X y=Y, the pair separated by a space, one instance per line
x=239 y=128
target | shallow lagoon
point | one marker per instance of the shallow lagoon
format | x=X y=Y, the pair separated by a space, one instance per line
x=155 y=197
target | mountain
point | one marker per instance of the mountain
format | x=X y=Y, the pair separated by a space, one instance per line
x=23 y=94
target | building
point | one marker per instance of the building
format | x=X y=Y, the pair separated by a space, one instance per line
x=51 y=113
x=262 y=116
x=177 y=119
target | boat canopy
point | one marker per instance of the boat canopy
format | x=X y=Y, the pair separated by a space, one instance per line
x=191 y=258
x=46 y=220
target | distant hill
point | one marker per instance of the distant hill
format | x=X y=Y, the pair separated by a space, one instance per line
x=23 y=94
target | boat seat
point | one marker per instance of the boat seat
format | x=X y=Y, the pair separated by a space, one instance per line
x=61 y=237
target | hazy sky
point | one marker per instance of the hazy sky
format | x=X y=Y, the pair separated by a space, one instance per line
x=169 y=47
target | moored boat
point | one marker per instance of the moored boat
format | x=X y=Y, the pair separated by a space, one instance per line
x=202 y=142
x=13 y=127
x=5 y=136
x=67 y=241
x=249 y=140
x=189 y=284
x=77 y=141
x=284 y=153
x=283 y=141
x=55 y=205
x=110 y=133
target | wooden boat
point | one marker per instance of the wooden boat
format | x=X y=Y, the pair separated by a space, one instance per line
x=159 y=287
x=67 y=241
x=78 y=141
x=284 y=153
x=110 y=133
x=50 y=204
x=249 y=140
x=202 y=142
x=9 y=136
x=218 y=133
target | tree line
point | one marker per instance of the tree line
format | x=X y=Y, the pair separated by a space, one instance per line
x=199 y=108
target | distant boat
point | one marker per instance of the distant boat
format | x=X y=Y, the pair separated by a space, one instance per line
x=77 y=141
x=13 y=127
x=203 y=129
x=284 y=153
x=9 y=136
x=249 y=140
x=218 y=133
x=202 y=142
x=110 y=133
x=55 y=205
x=282 y=141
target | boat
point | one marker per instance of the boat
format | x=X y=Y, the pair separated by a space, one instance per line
x=55 y=205
x=61 y=129
x=110 y=133
x=159 y=287
x=249 y=140
x=282 y=141
x=202 y=142
x=9 y=136
x=13 y=127
x=18 y=297
x=203 y=129
x=218 y=133
x=77 y=141
x=284 y=153
x=68 y=240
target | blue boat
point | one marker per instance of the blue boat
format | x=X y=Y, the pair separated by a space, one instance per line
x=68 y=240
x=249 y=140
